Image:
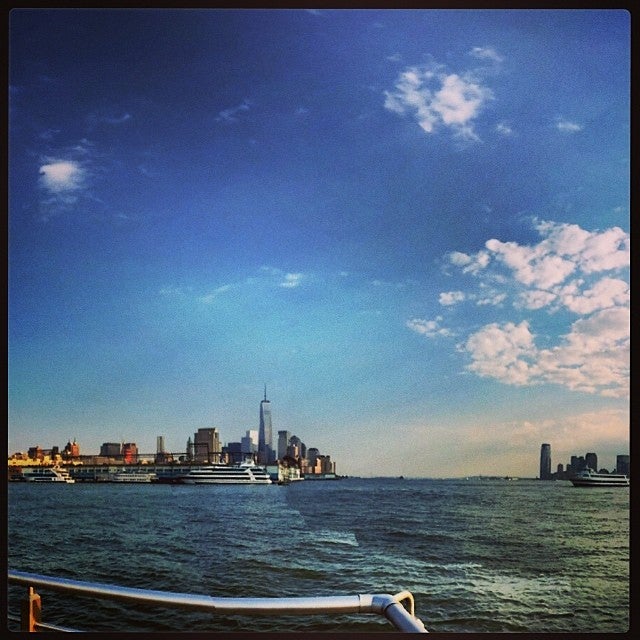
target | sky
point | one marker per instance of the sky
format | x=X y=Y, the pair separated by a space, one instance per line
x=412 y=226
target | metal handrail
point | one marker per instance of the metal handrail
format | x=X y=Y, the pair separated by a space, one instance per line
x=379 y=603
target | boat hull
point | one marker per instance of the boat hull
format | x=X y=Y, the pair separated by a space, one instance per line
x=598 y=483
x=225 y=482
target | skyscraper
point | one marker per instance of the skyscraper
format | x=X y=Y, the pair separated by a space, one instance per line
x=545 y=462
x=283 y=443
x=591 y=460
x=265 y=442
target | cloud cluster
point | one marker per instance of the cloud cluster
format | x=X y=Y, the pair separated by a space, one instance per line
x=570 y=269
x=437 y=98
x=61 y=176
x=429 y=328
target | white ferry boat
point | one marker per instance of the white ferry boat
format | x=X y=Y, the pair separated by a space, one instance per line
x=246 y=473
x=589 y=478
x=47 y=474
x=134 y=476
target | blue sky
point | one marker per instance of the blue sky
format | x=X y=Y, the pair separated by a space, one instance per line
x=411 y=225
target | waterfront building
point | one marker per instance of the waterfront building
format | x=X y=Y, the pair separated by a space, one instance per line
x=283 y=443
x=206 y=444
x=71 y=449
x=35 y=453
x=545 y=462
x=591 y=461
x=265 y=438
x=130 y=452
x=312 y=455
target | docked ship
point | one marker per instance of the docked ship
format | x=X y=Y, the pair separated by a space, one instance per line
x=47 y=474
x=246 y=473
x=589 y=478
x=134 y=476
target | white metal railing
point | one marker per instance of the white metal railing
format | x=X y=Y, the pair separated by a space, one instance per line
x=389 y=606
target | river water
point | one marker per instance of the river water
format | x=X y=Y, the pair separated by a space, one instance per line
x=478 y=555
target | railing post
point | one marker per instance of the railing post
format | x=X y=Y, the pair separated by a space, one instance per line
x=31 y=611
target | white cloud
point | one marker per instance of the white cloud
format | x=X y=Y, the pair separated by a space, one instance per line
x=486 y=53
x=470 y=264
x=503 y=352
x=572 y=269
x=449 y=298
x=292 y=280
x=531 y=266
x=58 y=176
x=592 y=358
x=435 y=98
x=491 y=298
x=567 y=126
x=565 y=249
x=428 y=328
x=605 y=293
x=504 y=128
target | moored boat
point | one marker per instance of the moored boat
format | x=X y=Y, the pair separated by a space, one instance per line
x=134 y=476
x=47 y=474
x=589 y=478
x=246 y=473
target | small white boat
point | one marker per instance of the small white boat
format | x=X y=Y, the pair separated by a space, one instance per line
x=246 y=473
x=47 y=474
x=134 y=476
x=589 y=478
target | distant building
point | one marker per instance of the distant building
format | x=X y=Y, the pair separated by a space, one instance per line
x=591 y=461
x=249 y=442
x=35 y=453
x=130 y=452
x=578 y=463
x=319 y=465
x=206 y=445
x=71 y=450
x=296 y=448
x=110 y=449
x=233 y=452
x=545 y=462
x=265 y=438
x=162 y=457
x=623 y=465
x=283 y=443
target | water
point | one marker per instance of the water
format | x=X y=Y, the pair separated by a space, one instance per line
x=478 y=555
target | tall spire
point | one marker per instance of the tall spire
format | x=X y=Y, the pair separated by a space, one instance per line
x=265 y=392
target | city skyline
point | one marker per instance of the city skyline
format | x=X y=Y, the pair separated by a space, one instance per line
x=411 y=225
